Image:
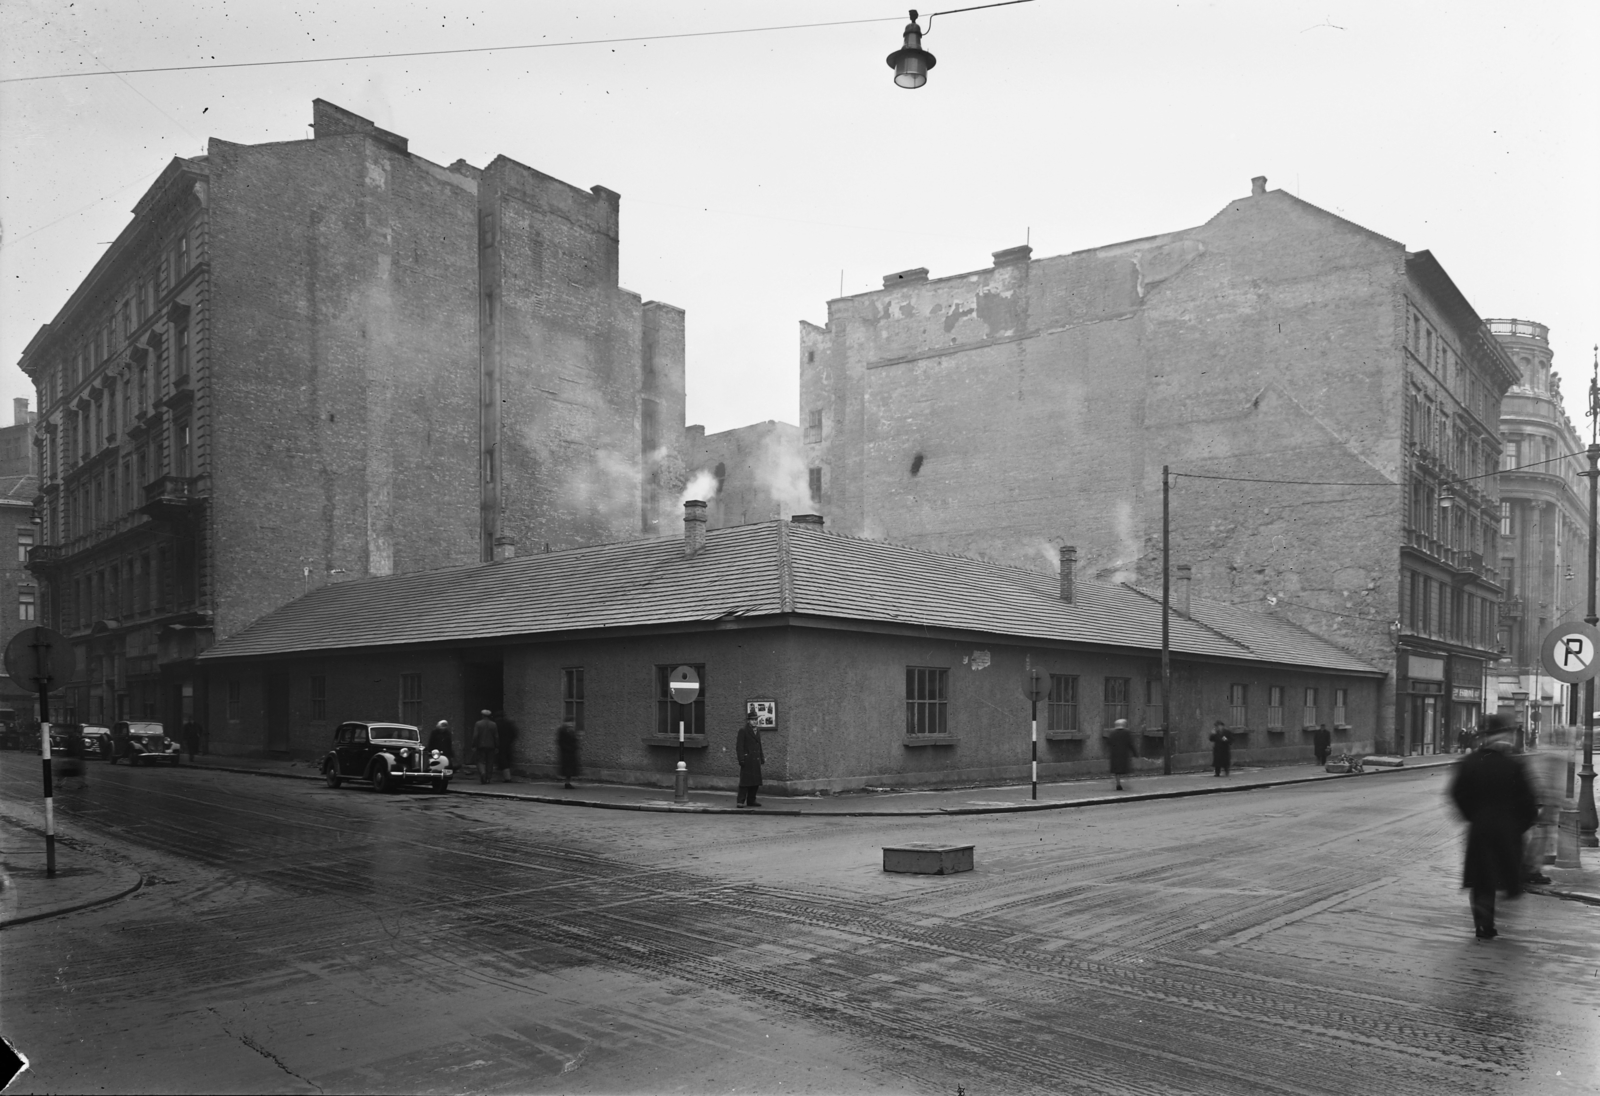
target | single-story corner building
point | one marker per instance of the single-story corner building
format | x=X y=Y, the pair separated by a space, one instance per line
x=870 y=664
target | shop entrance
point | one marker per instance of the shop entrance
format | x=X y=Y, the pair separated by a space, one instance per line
x=1424 y=730
x=482 y=686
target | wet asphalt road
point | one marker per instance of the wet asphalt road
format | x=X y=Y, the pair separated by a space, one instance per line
x=1304 y=940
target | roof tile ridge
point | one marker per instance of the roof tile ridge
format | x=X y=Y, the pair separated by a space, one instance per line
x=1275 y=617
x=785 y=569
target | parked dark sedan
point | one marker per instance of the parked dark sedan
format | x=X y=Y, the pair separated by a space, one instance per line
x=389 y=756
x=142 y=741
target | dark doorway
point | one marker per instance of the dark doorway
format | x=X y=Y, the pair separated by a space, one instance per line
x=278 y=713
x=482 y=686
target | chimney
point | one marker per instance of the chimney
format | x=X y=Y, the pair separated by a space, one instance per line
x=807 y=519
x=694 y=528
x=1011 y=256
x=505 y=547
x=1258 y=186
x=914 y=276
x=1069 y=563
x=19 y=411
x=1180 y=596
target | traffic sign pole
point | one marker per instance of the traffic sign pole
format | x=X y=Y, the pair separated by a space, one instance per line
x=32 y=655
x=684 y=685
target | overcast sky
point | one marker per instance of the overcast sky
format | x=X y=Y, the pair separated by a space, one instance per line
x=759 y=171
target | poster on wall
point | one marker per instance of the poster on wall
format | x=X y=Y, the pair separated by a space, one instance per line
x=766 y=713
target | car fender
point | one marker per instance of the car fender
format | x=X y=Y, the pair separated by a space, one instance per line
x=385 y=756
x=329 y=760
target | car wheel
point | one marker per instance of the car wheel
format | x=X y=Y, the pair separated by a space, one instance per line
x=331 y=775
x=382 y=781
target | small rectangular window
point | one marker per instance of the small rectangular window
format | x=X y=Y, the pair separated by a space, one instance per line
x=1309 y=718
x=814 y=418
x=27 y=603
x=183 y=255
x=1154 y=711
x=1116 y=699
x=24 y=542
x=572 y=696
x=1506 y=526
x=319 y=697
x=180 y=351
x=669 y=712
x=1275 y=707
x=1341 y=699
x=411 y=699
x=814 y=481
x=235 y=700
x=927 y=700
x=1061 y=712
x=1238 y=706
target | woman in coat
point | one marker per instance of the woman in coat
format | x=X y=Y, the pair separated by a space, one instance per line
x=1221 y=750
x=747 y=748
x=440 y=739
x=1493 y=794
x=567 y=752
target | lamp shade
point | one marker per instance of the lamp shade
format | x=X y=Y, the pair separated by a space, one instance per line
x=911 y=62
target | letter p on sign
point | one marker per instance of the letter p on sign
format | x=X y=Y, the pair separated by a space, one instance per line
x=1569 y=652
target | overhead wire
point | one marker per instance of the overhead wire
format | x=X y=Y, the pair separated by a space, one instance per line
x=440 y=52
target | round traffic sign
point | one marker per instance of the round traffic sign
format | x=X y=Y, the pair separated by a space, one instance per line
x=684 y=684
x=39 y=658
x=1569 y=652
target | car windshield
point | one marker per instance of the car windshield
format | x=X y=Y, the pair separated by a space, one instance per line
x=392 y=734
x=146 y=728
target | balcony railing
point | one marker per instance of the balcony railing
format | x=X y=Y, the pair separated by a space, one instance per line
x=1526 y=329
x=170 y=497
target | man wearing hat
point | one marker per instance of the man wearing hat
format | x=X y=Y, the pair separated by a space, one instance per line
x=485 y=744
x=1493 y=794
x=1121 y=742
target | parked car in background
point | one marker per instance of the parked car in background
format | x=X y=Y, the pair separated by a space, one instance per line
x=10 y=730
x=145 y=742
x=389 y=756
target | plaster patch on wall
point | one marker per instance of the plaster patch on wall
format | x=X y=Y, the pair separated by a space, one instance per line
x=978 y=660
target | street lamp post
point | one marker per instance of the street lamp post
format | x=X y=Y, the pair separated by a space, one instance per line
x=1166 y=616
x=1586 y=815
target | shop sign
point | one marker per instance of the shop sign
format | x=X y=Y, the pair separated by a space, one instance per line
x=1425 y=669
x=1462 y=692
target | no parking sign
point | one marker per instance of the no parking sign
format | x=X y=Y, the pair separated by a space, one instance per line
x=1569 y=651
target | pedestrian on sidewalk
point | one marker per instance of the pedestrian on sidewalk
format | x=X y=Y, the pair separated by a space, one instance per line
x=191 y=737
x=1463 y=740
x=567 y=752
x=1321 y=742
x=485 y=741
x=1494 y=796
x=1221 y=750
x=505 y=742
x=747 y=748
x=1122 y=750
x=71 y=766
x=442 y=740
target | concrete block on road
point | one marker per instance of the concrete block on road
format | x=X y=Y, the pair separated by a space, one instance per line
x=927 y=858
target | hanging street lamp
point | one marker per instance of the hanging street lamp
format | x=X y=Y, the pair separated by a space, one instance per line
x=911 y=62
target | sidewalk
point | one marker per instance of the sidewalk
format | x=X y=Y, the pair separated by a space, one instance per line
x=81 y=880
x=875 y=803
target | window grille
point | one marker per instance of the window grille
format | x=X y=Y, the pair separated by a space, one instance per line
x=927 y=700
x=1061 y=710
x=1309 y=718
x=669 y=711
x=1275 y=708
x=1238 y=708
x=1341 y=699
x=411 y=699
x=572 y=696
x=1116 y=699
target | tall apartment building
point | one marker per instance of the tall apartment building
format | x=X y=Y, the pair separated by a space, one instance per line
x=1544 y=527
x=313 y=360
x=19 y=589
x=1311 y=383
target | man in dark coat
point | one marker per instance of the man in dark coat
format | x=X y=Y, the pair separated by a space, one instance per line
x=1321 y=742
x=485 y=741
x=567 y=752
x=1493 y=794
x=505 y=742
x=747 y=748
x=191 y=738
x=1120 y=741
x=1221 y=750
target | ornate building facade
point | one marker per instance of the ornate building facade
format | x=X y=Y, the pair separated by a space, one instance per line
x=1544 y=528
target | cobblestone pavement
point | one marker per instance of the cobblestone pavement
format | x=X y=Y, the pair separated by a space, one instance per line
x=1301 y=939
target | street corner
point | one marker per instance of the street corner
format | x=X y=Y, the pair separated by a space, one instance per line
x=1573 y=884
x=28 y=890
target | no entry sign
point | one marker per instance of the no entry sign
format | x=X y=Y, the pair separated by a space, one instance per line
x=1569 y=651
x=685 y=684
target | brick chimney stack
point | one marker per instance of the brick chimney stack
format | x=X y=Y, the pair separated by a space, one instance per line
x=1069 y=563
x=505 y=547
x=694 y=528
x=806 y=519
x=19 y=412
x=1258 y=186
x=1180 y=596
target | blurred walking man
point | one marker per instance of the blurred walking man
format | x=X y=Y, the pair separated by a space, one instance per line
x=485 y=744
x=1493 y=794
x=1121 y=744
